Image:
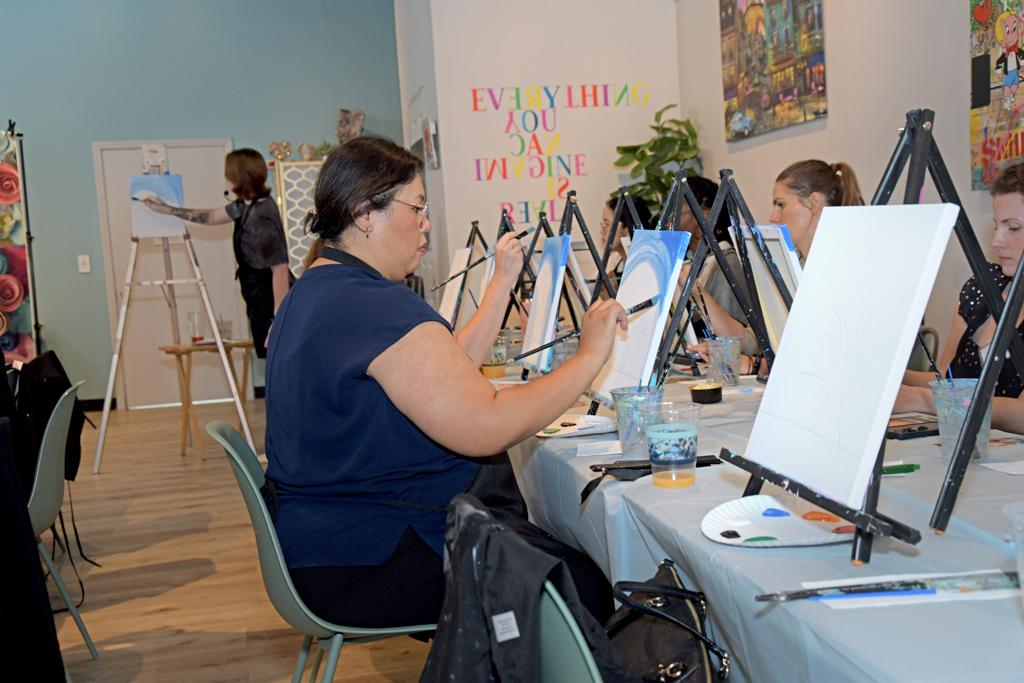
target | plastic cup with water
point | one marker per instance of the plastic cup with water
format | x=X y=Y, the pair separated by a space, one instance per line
x=724 y=357
x=197 y=325
x=952 y=399
x=627 y=402
x=670 y=430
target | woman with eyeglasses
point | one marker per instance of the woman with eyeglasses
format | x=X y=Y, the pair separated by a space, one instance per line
x=260 y=248
x=377 y=415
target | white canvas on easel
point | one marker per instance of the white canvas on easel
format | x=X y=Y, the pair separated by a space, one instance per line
x=452 y=290
x=547 y=292
x=652 y=268
x=783 y=252
x=147 y=223
x=848 y=337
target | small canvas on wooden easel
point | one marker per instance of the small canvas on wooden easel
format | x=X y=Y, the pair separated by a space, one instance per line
x=149 y=223
x=784 y=254
x=652 y=268
x=849 y=334
x=547 y=291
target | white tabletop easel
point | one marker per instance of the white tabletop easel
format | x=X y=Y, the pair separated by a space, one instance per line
x=165 y=228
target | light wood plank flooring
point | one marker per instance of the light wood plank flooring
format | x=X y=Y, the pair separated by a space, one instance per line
x=179 y=596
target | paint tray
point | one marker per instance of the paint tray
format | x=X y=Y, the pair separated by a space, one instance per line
x=580 y=425
x=774 y=521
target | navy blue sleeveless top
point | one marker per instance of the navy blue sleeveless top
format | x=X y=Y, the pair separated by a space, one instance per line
x=337 y=448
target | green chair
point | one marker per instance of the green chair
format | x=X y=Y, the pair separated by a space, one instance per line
x=278 y=583
x=564 y=654
x=48 y=494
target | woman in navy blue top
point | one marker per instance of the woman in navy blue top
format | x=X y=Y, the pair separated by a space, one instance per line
x=376 y=413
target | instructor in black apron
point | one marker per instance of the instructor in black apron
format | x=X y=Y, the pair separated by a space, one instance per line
x=259 y=243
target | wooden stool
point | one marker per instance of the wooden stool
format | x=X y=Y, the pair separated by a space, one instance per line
x=185 y=379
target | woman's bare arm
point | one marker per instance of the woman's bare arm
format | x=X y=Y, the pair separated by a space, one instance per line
x=432 y=381
x=479 y=333
x=202 y=216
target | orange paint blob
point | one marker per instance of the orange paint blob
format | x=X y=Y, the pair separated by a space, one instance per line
x=819 y=516
x=848 y=529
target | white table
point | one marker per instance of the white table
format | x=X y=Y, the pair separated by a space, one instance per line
x=628 y=527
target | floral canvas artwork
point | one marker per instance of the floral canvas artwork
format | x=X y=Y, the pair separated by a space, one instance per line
x=773 y=64
x=16 y=330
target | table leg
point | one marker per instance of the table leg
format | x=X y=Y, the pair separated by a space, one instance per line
x=184 y=404
x=197 y=435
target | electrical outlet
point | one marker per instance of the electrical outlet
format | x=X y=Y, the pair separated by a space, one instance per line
x=84 y=265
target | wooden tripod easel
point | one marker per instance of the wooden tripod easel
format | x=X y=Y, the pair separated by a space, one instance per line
x=168 y=286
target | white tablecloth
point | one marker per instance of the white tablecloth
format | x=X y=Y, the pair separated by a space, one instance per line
x=628 y=527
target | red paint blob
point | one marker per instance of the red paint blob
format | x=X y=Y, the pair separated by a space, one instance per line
x=848 y=529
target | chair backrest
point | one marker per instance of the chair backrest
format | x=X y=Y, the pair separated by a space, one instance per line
x=278 y=583
x=564 y=654
x=48 y=487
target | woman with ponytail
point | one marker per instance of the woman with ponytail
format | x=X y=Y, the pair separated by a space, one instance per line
x=801 y=192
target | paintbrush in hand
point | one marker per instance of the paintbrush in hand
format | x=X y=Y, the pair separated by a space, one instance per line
x=642 y=306
x=474 y=264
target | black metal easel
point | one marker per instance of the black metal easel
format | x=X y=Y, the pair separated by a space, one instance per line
x=474 y=236
x=918 y=145
x=730 y=199
x=571 y=211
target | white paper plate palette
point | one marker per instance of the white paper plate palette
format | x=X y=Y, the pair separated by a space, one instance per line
x=774 y=521
x=580 y=425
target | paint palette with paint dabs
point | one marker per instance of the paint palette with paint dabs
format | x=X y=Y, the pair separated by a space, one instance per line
x=774 y=521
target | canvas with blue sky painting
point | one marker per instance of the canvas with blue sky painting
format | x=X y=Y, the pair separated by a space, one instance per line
x=652 y=268
x=540 y=328
x=149 y=223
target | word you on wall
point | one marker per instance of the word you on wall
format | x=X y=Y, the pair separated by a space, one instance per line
x=528 y=118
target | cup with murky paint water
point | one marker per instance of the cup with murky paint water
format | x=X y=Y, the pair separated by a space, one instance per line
x=952 y=399
x=627 y=401
x=670 y=432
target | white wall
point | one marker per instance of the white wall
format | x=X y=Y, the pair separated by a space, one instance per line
x=489 y=44
x=418 y=86
x=882 y=58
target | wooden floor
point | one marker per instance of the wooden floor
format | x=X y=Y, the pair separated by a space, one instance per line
x=179 y=596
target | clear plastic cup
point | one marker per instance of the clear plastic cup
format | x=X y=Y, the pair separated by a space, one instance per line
x=952 y=399
x=224 y=327
x=1015 y=512
x=197 y=325
x=494 y=365
x=627 y=402
x=670 y=431
x=724 y=356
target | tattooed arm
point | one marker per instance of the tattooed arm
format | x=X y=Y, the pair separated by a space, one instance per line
x=201 y=216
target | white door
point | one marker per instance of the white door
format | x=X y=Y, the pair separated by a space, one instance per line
x=146 y=375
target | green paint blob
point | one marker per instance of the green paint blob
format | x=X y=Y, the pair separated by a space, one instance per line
x=759 y=538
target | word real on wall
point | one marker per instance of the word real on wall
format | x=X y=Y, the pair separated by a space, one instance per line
x=541 y=155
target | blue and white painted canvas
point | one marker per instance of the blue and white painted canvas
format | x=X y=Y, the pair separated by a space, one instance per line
x=149 y=223
x=653 y=266
x=540 y=329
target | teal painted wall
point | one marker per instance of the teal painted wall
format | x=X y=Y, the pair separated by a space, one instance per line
x=254 y=71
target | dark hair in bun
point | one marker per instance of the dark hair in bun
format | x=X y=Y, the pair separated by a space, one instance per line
x=359 y=176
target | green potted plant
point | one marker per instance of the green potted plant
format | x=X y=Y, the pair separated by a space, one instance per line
x=673 y=147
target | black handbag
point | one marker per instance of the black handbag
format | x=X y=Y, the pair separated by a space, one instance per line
x=658 y=635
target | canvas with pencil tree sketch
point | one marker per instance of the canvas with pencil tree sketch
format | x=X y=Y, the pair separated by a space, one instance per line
x=652 y=269
x=850 y=332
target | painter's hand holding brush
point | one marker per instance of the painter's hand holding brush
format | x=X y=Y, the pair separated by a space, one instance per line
x=478 y=334
x=597 y=330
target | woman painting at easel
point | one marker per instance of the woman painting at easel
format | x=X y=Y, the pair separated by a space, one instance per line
x=260 y=248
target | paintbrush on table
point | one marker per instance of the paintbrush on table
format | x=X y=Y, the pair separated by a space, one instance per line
x=642 y=306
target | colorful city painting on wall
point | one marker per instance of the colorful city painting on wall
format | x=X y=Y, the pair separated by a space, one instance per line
x=773 y=64
x=15 y=309
x=997 y=122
